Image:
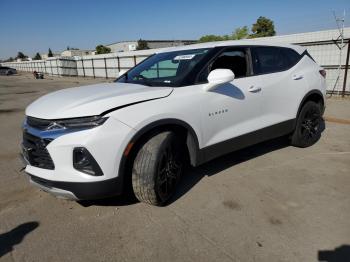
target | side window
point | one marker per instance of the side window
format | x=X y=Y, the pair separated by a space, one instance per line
x=235 y=60
x=269 y=60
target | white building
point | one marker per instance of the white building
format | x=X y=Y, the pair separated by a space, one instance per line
x=125 y=46
x=46 y=55
x=75 y=52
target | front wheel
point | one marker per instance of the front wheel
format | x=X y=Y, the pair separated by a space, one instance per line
x=308 y=127
x=157 y=169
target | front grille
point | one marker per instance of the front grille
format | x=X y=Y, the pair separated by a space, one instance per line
x=41 y=124
x=35 y=152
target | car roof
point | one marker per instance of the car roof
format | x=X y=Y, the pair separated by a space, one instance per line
x=248 y=42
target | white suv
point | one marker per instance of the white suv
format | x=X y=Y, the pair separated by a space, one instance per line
x=187 y=104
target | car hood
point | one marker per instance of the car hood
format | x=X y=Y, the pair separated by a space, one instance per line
x=92 y=100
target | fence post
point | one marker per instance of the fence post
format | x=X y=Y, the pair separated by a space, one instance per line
x=82 y=64
x=134 y=60
x=118 y=64
x=93 y=68
x=105 y=67
x=346 y=69
x=51 y=67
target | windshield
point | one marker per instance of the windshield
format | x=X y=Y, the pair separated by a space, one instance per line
x=165 y=69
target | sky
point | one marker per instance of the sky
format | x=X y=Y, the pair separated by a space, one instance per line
x=34 y=26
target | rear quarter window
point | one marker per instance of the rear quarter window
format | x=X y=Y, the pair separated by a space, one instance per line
x=273 y=59
x=291 y=56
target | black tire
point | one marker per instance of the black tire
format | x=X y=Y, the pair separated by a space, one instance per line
x=308 y=126
x=157 y=168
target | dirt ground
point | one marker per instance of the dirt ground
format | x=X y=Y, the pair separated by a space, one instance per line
x=270 y=202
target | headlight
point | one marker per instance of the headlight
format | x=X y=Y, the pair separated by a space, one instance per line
x=70 y=123
x=82 y=122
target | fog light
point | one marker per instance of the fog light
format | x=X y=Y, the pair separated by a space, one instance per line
x=84 y=162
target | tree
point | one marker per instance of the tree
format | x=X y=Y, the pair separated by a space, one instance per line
x=142 y=45
x=10 y=59
x=263 y=27
x=20 y=55
x=37 y=57
x=101 y=49
x=211 y=38
x=240 y=33
x=72 y=48
x=50 y=54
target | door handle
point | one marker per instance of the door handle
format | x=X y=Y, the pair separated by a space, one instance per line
x=254 y=89
x=297 y=77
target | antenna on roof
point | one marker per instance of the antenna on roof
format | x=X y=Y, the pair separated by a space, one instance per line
x=340 y=24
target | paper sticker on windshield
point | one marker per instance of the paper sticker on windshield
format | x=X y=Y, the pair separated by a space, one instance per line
x=184 y=57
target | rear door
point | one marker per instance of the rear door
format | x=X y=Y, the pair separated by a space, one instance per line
x=282 y=82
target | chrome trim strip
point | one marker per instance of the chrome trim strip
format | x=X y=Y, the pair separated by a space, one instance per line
x=49 y=134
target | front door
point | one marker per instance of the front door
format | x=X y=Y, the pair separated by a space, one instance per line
x=233 y=109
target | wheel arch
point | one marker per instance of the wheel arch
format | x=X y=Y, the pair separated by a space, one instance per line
x=315 y=96
x=142 y=135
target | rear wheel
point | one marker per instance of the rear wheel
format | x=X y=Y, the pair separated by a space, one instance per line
x=308 y=127
x=157 y=169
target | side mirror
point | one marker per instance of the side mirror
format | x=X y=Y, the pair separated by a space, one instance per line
x=219 y=77
x=122 y=72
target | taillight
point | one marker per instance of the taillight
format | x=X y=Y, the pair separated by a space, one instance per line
x=323 y=73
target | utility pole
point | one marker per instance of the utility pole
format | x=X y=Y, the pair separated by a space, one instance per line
x=340 y=25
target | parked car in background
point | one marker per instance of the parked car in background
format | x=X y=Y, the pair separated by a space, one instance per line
x=4 y=70
x=183 y=105
x=38 y=75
